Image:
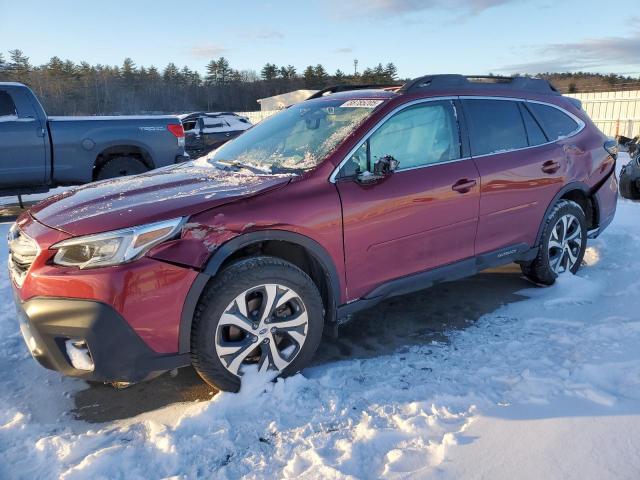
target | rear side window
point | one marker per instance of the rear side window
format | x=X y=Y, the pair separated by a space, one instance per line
x=555 y=123
x=495 y=126
x=7 y=107
x=534 y=132
x=214 y=122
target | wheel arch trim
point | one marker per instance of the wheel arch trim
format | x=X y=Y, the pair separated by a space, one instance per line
x=580 y=186
x=212 y=267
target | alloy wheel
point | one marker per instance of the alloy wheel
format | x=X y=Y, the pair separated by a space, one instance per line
x=264 y=326
x=564 y=244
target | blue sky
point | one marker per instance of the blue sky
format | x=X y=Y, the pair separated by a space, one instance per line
x=419 y=36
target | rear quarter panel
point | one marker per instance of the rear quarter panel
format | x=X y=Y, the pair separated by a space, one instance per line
x=78 y=141
x=589 y=161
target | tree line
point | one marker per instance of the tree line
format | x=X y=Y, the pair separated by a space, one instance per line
x=69 y=88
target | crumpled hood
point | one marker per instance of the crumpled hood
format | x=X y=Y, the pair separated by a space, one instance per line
x=161 y=194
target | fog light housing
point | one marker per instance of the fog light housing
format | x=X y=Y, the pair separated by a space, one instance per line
x=79 y=354
x=30 y=340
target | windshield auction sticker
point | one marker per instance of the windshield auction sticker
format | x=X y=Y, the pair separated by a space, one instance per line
x=361 y=103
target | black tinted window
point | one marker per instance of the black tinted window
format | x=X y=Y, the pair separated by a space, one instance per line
x=555 y=123
x=495 y=126
x=534 y=132
x=7 y=107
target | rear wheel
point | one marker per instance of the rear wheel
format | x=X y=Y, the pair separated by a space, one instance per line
x=261 y=313
x=121 y=167
x=564 y=240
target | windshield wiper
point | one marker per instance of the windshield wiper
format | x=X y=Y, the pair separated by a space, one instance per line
x=246 y=166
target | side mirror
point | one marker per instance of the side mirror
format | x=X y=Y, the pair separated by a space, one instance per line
x=383 y=167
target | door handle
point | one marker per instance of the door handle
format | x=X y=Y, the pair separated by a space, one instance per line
x=550 y=166
x=463 y=186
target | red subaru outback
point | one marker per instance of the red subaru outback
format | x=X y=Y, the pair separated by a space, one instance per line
x=239 y=260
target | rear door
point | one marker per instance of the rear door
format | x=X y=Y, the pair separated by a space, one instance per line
x=422 y=216
x=22 y=142
x=520 y=171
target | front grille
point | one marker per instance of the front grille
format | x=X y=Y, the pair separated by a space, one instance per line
x=23 y=250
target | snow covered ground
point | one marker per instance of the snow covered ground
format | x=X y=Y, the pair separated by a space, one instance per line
x=546 y=387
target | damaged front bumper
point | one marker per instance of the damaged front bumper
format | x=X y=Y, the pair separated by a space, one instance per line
x=88 y=340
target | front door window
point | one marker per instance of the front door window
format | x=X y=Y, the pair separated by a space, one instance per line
x=417 y=136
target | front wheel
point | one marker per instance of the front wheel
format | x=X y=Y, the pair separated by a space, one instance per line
x=262 y=313
x=564 y=241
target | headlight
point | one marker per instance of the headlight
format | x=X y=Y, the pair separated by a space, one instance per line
x=113 y=248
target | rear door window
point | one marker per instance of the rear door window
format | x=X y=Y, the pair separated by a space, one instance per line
x=495 y=126
x=7 y=107
x=555 y=123
x=534 y=132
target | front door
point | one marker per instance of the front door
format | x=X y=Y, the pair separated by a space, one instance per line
x=22 y=145
x=423 y=215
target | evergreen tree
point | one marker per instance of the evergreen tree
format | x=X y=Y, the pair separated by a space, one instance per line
x=391 y=72
x=211 y=78
x=19 y=66
x=378 y=74
x=224 y=71
x=128 y=71
x=309 y=77
x=171 y=73
x=269 y=72
x=288 y=72
x=321 y=75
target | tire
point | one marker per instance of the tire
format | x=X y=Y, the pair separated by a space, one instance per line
x=121 y=167
x=553 y=260
x=221 y=323
x=629 y=177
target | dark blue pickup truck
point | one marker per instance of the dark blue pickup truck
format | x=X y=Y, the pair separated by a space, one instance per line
x=39 y=152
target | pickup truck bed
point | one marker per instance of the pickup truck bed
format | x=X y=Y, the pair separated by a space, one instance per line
x=39 y=152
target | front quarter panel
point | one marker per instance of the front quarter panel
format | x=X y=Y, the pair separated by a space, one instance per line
x=308 y=206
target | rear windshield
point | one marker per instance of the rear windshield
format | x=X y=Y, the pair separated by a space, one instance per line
x=298 y=138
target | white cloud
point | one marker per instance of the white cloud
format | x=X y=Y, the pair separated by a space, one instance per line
x=594 y=53
x=385 y=8
x=207 y=51
x=269 y=35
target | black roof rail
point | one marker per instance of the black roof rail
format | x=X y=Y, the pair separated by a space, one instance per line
x=346 y=88
x=537 y=85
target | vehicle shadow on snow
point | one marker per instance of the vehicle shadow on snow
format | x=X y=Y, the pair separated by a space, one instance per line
x=417 y=318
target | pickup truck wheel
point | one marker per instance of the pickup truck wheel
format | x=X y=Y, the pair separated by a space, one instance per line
x=261 y=313
x=121 y=167
x=564 y=241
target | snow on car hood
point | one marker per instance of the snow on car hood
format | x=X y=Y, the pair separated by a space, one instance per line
x=165 y=193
